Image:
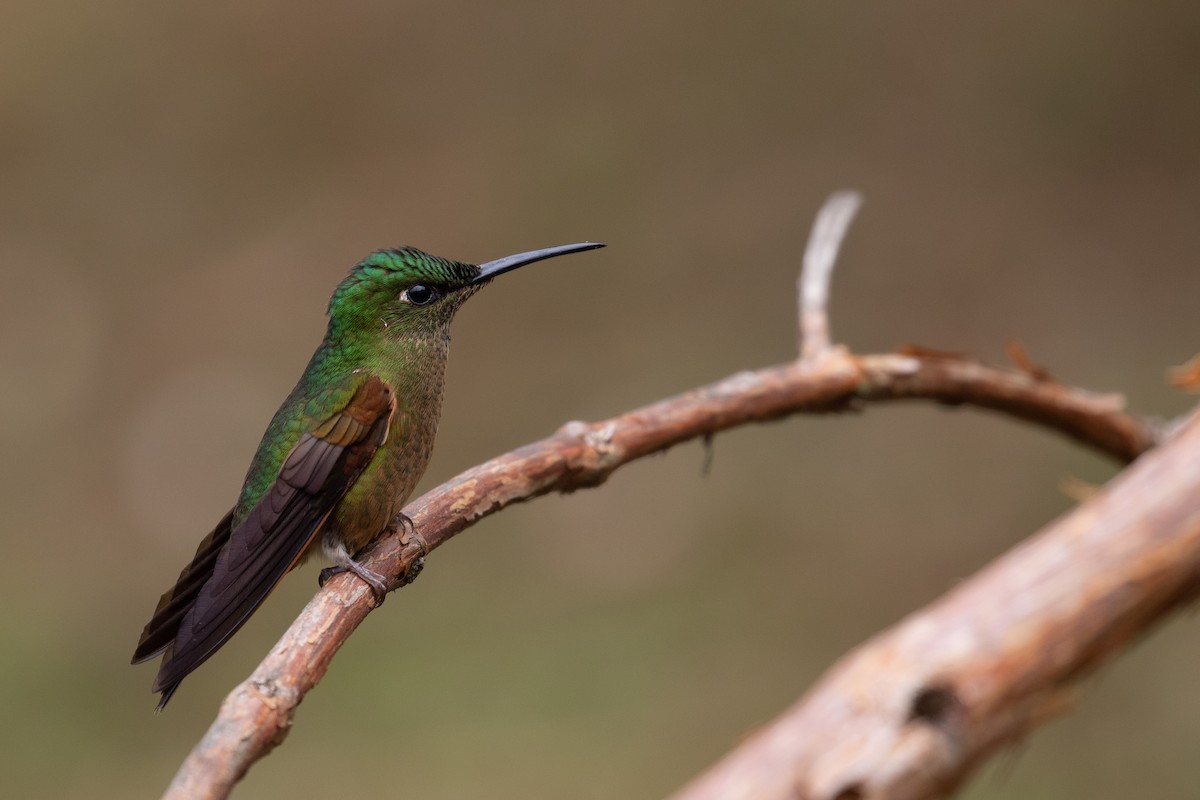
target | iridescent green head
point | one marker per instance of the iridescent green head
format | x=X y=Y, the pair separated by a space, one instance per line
x=407 y=291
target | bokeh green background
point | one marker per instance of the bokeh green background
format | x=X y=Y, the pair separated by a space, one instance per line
x=181 y=185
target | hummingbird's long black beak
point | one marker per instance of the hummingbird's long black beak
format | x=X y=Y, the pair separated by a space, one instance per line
x=501 y=265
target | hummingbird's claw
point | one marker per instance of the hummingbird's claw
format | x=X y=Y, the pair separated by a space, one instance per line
x=409 y=533
x=328 y=573
x=408 y=529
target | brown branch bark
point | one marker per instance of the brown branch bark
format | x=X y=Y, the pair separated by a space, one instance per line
x=913 y=711
x=257 y=715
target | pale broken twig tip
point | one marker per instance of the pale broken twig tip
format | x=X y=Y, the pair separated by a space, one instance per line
x=829 y=229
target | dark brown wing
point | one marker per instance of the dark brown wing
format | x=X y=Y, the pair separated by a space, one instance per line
x=235 y=569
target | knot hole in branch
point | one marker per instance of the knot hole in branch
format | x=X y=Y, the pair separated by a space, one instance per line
x=933 y=704
x=853 y=791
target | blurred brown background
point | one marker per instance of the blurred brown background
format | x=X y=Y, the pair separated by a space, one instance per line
x=181 y=187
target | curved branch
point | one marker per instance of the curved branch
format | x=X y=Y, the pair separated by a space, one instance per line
x=258 y=713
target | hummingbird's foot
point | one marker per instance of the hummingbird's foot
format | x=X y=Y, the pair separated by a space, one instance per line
x=347 y=564
x=371 y=578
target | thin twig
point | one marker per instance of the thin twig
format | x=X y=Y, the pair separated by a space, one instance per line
x=829 y=229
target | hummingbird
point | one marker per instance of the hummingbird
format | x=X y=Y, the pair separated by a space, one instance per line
x=339 y=458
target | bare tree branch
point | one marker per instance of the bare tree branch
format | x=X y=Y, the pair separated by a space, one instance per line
x=257 y=715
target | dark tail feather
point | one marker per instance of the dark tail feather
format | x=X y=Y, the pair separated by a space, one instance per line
x=160 y=631
x=244 y=577
x=166 y=696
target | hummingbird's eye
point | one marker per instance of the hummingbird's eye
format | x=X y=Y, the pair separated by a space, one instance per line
x=419 y=294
